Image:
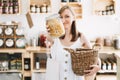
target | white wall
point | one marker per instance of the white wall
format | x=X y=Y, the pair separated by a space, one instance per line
x=91 y=25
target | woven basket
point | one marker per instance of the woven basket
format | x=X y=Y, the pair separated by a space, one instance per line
x=82 y=59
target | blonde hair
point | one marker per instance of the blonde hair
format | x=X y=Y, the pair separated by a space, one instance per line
x=66 y=7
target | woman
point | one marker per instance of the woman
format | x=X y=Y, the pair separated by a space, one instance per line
x=72 y=39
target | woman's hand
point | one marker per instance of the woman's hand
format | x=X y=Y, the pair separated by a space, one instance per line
x=94 y=69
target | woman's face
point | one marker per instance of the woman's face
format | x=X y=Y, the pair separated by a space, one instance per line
x=67 y=19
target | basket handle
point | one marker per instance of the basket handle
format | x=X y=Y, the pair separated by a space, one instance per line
x=71 y=51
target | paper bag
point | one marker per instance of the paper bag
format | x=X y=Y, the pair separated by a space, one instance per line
x=52 y=71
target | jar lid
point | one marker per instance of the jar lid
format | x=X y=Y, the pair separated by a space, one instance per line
x=8 y=31
x=9 y=42
x=19 y=31
x=20 y=42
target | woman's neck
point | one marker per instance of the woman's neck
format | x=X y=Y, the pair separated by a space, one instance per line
x=68 y=36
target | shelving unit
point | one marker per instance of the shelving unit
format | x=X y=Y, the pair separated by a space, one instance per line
x=41 y=53
x=104 y=7
x=110 y=50
x=40 y=6
x=76 y=6
x=33 y=52
x=10 y=7
x=11 y=36
x=28 y=53
x=9 y=61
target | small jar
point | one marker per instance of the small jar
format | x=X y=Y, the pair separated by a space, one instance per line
x=107 y=41
x=37 y=63
x=38 y=9
x=9 y=31
x=27 y=64
x=116 y=42
x=1 y=11
x=19 y=31
x=5 y=9
x=16 y=9
x=48 y=8
x=33 y=8
x=20 y=43
x=43 y=8
x=9 y=42
x=10 y=10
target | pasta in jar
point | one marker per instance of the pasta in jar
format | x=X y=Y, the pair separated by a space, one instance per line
x=55 y=25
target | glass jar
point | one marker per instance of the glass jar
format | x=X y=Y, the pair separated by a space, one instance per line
x=37 y=9
x=20 y=43
x=10 y=10
x=108 y=41
x=8 y=31
x=116 y=41
x=1 y=11
x=43 y=8
x=19 y=31
x=48 y=8
x=37 y=63
x=33 y=8
x=9 y=42
x=55 y=25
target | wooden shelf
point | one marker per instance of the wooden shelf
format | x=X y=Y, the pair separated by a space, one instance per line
x=11 y=71
x=12 y=50
x=10 y=8
x=37 y=49
x=109 y=50
x=107 y=71
x=40 y=6
x=77 y=7
x=40 y=70
x=103 y=7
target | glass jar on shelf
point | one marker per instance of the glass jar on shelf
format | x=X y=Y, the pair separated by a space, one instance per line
x=116 y=41
x=9 y=31
x=20 y=43
x=44 y=8
x=9 y=43
x=37 y=9
x=32 y=8
x=48 y=8
x=19 y=31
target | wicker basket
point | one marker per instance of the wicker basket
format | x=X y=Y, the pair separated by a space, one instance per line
x=82 y=59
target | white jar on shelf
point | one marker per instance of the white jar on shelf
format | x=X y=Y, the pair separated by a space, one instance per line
x=43 y=8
